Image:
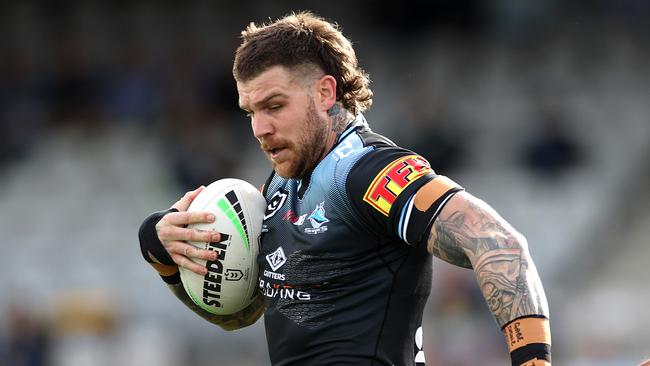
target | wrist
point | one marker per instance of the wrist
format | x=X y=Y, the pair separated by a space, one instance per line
x=171 y=279
x=536 y=362
x=529 y=340
x=151 y=247
x=165 y=270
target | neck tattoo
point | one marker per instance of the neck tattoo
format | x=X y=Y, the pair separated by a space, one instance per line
x=340 y=118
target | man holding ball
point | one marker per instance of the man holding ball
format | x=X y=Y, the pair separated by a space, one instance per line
x=352 y=222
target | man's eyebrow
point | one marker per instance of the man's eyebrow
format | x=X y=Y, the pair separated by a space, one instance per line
x=266 y=99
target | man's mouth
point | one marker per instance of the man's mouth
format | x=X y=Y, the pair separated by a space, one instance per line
x=275 y=152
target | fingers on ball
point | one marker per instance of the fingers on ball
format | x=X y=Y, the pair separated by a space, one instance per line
x=189 y=264
x=199 y=235
x=164 y=232
x=194 y=252
x=174 y=233
x=187 y=252
x=184 y=218
x=204 y=254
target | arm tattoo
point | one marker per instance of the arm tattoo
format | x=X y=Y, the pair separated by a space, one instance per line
x=471 y=235
x=243 y=318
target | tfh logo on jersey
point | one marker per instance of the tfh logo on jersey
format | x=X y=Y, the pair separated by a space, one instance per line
x=393 y=179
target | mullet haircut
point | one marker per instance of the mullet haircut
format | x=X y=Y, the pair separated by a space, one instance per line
x=304 y=39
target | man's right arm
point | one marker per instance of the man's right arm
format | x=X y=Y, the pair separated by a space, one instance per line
x=240 y=319
x=163 y=245
x=469 y=233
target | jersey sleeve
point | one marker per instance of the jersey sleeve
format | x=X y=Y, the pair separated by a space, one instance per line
x=382 y=186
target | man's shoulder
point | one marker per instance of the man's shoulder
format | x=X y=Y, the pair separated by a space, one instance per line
x=374 y=139
x=381 y=150
x=361 y=142
x=360 y=154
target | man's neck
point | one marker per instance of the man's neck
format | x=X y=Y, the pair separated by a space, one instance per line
x=341 y=118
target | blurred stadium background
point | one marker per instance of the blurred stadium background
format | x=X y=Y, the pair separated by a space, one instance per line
x=110 y=110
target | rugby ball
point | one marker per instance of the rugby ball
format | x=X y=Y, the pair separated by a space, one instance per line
x=231 y=281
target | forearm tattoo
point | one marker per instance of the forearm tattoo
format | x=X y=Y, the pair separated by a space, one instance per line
x=471 y=235
x=243 y=318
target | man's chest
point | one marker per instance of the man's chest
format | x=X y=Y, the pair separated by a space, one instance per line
x=307 y=240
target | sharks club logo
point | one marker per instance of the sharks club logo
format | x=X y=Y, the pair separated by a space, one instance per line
x=317 y=220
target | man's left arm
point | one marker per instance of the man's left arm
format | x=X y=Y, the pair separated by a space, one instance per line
x=470 y=234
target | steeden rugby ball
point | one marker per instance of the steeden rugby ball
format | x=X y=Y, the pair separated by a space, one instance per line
x=231 y=281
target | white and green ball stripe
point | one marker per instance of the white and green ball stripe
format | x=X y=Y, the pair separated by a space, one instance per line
x=231 y=207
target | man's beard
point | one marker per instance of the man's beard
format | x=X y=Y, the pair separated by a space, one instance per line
x=309 y=148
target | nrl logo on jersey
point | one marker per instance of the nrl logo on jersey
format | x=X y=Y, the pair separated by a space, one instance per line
x=275 y=203
x=317 y=220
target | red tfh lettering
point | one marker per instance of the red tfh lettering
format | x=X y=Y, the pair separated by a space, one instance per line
x=399 y=174
x=383 y=192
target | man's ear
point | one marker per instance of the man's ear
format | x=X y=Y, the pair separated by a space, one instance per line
x=326 y=89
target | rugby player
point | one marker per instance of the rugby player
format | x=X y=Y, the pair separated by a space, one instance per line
x=353 y=220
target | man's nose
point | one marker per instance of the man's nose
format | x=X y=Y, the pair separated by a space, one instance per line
x=261 y=126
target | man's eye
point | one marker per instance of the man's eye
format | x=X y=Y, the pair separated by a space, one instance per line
x=274 y=107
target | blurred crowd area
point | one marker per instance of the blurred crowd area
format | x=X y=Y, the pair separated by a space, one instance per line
x=111 y=110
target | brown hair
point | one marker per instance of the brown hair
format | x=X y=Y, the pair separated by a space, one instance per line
x=302 y=39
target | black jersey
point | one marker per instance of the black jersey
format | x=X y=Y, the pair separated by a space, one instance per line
x=344 y=274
